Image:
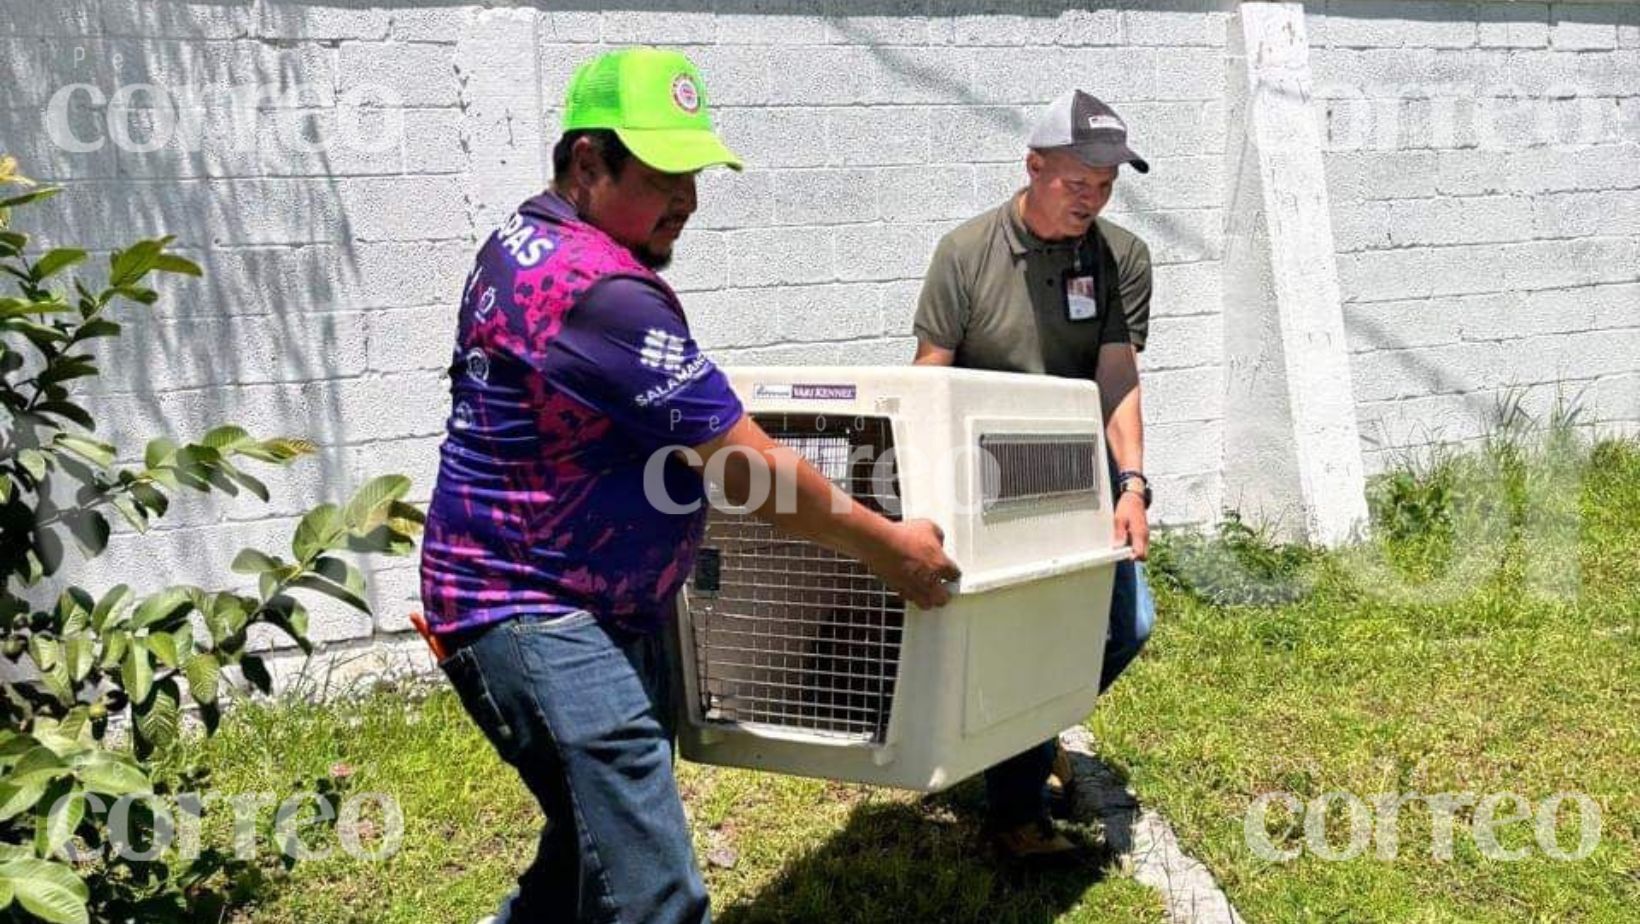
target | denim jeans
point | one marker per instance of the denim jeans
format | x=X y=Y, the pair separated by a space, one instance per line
x=581 y=711
x=1014 y=788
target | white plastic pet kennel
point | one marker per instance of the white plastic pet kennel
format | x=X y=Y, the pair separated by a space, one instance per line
x=798 y=660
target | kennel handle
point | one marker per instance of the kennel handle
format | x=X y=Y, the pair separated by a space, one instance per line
x=1002 y=578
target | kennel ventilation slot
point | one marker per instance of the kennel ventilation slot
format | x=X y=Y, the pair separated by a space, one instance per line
x=1032 y=468
x=787 y=634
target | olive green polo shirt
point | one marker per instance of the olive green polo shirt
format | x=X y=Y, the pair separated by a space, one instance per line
x=995 y=295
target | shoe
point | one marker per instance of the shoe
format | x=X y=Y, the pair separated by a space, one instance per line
x=1035 y=842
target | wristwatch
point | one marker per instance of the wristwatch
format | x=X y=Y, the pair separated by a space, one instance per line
x=1125 y=483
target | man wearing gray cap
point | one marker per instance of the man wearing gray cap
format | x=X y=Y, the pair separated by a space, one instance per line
x=1042 y=285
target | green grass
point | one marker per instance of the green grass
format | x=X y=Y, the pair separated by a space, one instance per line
x=802 y=849
x=1499 y=685
x=1272 y=669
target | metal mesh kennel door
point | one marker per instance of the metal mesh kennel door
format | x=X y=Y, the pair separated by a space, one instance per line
x=790 y=635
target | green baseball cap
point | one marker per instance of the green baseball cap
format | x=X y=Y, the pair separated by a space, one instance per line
x=655 y=101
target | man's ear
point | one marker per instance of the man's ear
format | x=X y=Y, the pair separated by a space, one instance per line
x=584 y=155
x=1034 y=162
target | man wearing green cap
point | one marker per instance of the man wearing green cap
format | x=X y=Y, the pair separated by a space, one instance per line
x=569 y=499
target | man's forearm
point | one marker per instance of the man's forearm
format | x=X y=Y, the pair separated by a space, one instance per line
x=1118 y=379
x=794 y=496
x=1125 y=433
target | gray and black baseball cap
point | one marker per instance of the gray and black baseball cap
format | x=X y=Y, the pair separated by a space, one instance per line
x=1089 y=128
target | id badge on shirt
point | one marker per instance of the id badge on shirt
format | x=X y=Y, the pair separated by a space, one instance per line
x=1082 y=285
x=1081 y=298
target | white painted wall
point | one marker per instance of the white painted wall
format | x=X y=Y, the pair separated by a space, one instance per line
x=870 y=127
x=1484 y=167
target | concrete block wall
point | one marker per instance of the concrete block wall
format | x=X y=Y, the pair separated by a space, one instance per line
x=1483 y=162
x=336 y=207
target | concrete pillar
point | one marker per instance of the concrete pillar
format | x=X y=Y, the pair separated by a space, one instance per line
x=1292 y=448
x=503 y=129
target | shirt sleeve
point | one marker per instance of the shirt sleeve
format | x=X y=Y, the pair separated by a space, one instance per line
x=942 y=309
x=1114 y=328
x=626 y=351
x=1135 y=280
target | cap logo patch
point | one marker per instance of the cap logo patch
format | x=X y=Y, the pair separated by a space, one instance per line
x=685 y=94
x=1105 y=121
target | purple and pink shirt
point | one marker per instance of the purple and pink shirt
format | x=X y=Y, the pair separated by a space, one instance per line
x=573 y=374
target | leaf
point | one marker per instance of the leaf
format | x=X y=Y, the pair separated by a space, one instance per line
x=211 y=715
x=257 y=673
x=340 y=572
x=39 y=765
x=171 y=263
x=38 y=195
x=381 y=540
x=131 y=512
x=5 y=488
x=142 y=295
x=369 y=504
x=159 y=452
x=109 y=608
x=33 y=462
x=316 y=583
x=78 y=652
x=57 y=260
x=90 y=530
x=51 y=891
x=14 y=745
x=131 y=264
x=161 y=606
x=251 y=561
x=68 y=410
x=67 y=369
x=17 y=307
x=63 y=817
x=113 y=775
x=42 y=336
x=64 y=740
x=57 y=683
x=318 y=531
x=115 y=646
x=17 y=798
x=97 y=453
x=248 y=482
x=164 y=648
x=137 y=671
x=203 y=671
x=405 y=519
x=278 y=450
x=48 y=546
x=150 y=497
x=226 y=438
x=194 y=464
x=159 y=717
x=289 y=613
x=74 y=607
x=97 y=327
x=45 y=650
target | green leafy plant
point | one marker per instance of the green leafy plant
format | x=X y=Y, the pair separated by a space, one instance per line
x=1237 y=565
x=134 y=658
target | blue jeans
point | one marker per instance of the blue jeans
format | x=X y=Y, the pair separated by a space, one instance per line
x=1014 y=788
x=581 y=710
